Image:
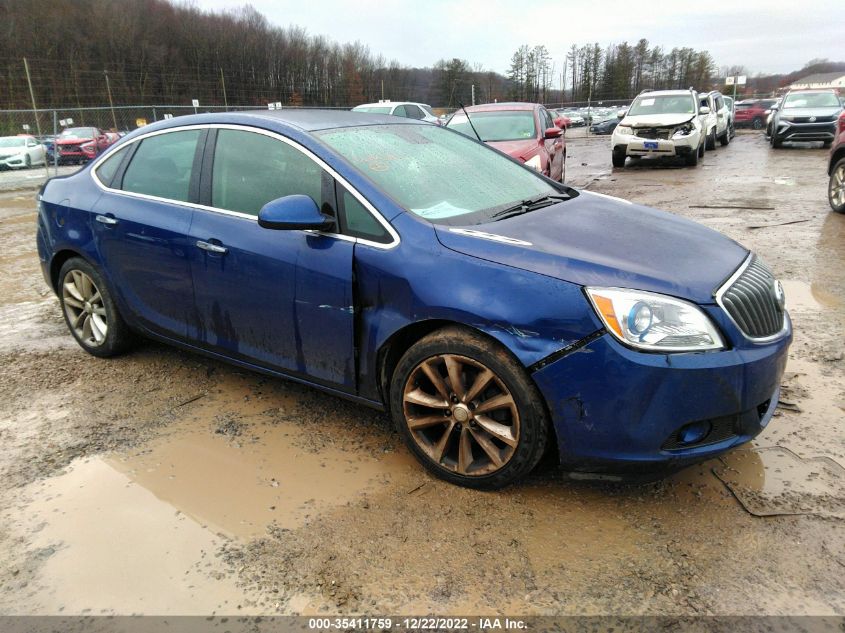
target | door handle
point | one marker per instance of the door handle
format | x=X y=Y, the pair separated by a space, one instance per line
x=104 y=219
x=212 y=248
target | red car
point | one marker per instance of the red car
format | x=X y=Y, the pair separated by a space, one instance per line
x=836 y=169
x=524 y=131
x=753 y=113
x=81 y=144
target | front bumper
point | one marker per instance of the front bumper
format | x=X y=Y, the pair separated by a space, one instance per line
x=805 y=132
x=618 y=410
x=13 y=162
x=635 y=146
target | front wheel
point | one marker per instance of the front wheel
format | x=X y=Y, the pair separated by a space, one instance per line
x=711 y=139
x=691 y=159
x=757 y=123
x=726 y=138
x=89 y=310
x=467 y=410
x=836 y=187
x=618 y=158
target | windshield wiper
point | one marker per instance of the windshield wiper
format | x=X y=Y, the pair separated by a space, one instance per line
x=532 y=204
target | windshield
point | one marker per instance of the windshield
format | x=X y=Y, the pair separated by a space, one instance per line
x=436 y=174
x=373 y=109
x=811 y=100
x=501 y=125
x=77 y=132
x=662 y=104
x=11 y=141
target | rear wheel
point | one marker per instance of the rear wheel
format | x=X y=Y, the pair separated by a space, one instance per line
x=836 y=187
x=726 y=137
x=28 y=161
x=89 y=310
x=757 y=123
x=467 y=410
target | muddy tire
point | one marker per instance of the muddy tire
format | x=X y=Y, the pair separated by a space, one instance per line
x=467 y=410
x=776 y=144
x=701 y=147
x=618 y=159
x=89 y=310
x=836 y=187
x=757 y=123
x=711 y=139
x=28 y=162
x=726 y=137
x=691 y=159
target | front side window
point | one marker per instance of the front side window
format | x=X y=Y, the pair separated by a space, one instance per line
x=162 y=166
x=400 y=111
x=413 y=111
x=499 y=125
x=358 y=221
x=251 y=169
x=436 y=174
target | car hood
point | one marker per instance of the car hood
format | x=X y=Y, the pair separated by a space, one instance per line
x=516 y=149
x=5 y=152
x=74 y=141
x=828 y=111
x=597 y=240
x=656 y=120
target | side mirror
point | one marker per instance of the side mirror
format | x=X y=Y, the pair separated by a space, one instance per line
x=775 y=107
x=296 y=212
x=560 y=123
x=553 y=132
x=704 y=110
x=620 y=114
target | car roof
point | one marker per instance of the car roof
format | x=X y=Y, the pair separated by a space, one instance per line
x=508 y=105
x=812 y=90
x=673 y=93
x=390 y=104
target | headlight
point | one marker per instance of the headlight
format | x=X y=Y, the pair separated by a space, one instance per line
x=655 y=322
x=624 y=129
x=684 y=130
x=535 y=162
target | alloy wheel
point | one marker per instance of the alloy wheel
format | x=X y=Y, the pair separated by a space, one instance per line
x=837 y=186
x=461 y=414
x=84 y=308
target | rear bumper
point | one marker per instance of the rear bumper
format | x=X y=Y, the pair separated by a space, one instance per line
x=618 y=410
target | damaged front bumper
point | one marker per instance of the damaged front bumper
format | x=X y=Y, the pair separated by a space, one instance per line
x=616 y=410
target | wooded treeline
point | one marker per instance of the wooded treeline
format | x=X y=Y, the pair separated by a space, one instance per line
x=619 y=71
x=159 y=52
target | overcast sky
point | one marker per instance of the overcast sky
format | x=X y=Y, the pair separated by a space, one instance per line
x=767 y=36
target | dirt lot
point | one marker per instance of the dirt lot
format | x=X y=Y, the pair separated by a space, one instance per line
x=164 y=483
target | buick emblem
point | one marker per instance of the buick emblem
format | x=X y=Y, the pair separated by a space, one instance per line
x=780 y=297
x=812 y=119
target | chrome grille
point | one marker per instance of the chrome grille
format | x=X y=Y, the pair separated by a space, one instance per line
x=750 y=300
x=654 y=133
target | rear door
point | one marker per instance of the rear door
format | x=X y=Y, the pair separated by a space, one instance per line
x=141 y=226
x=279 y=299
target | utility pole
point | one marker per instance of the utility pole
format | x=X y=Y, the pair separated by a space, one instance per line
x=32 y=94
x=473 y=94
x=111 y=103
x=223 y=81
x=382 y=89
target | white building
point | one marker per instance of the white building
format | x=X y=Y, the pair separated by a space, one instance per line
x=820 y=80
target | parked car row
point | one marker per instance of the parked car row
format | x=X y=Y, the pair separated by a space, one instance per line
x=682 y=123
x=804 y=116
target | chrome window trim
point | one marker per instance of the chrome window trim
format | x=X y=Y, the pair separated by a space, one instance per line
x=395 y=239
x=762 y=340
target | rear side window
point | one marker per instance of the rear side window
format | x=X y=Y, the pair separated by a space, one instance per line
x=108 y=168
x=162 y=166
x=251 y=169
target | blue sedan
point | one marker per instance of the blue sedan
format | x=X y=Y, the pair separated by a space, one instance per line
x=495 y=314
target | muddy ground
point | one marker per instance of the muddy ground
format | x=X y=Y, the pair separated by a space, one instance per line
x=164 y=483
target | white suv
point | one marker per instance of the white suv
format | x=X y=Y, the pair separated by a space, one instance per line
x=660 y=123
x=717 y=120
x=407 y=109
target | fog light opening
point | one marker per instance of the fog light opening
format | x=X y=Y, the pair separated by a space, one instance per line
x=693 y=433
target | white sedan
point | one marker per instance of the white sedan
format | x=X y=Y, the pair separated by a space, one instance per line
x=21 y=152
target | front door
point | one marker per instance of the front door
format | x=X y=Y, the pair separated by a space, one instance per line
x=279 y=299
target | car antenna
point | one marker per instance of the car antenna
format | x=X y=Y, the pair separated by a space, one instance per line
x=477 y=135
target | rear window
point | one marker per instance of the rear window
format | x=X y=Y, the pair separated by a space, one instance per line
x=501 y=125
x=108 y=168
